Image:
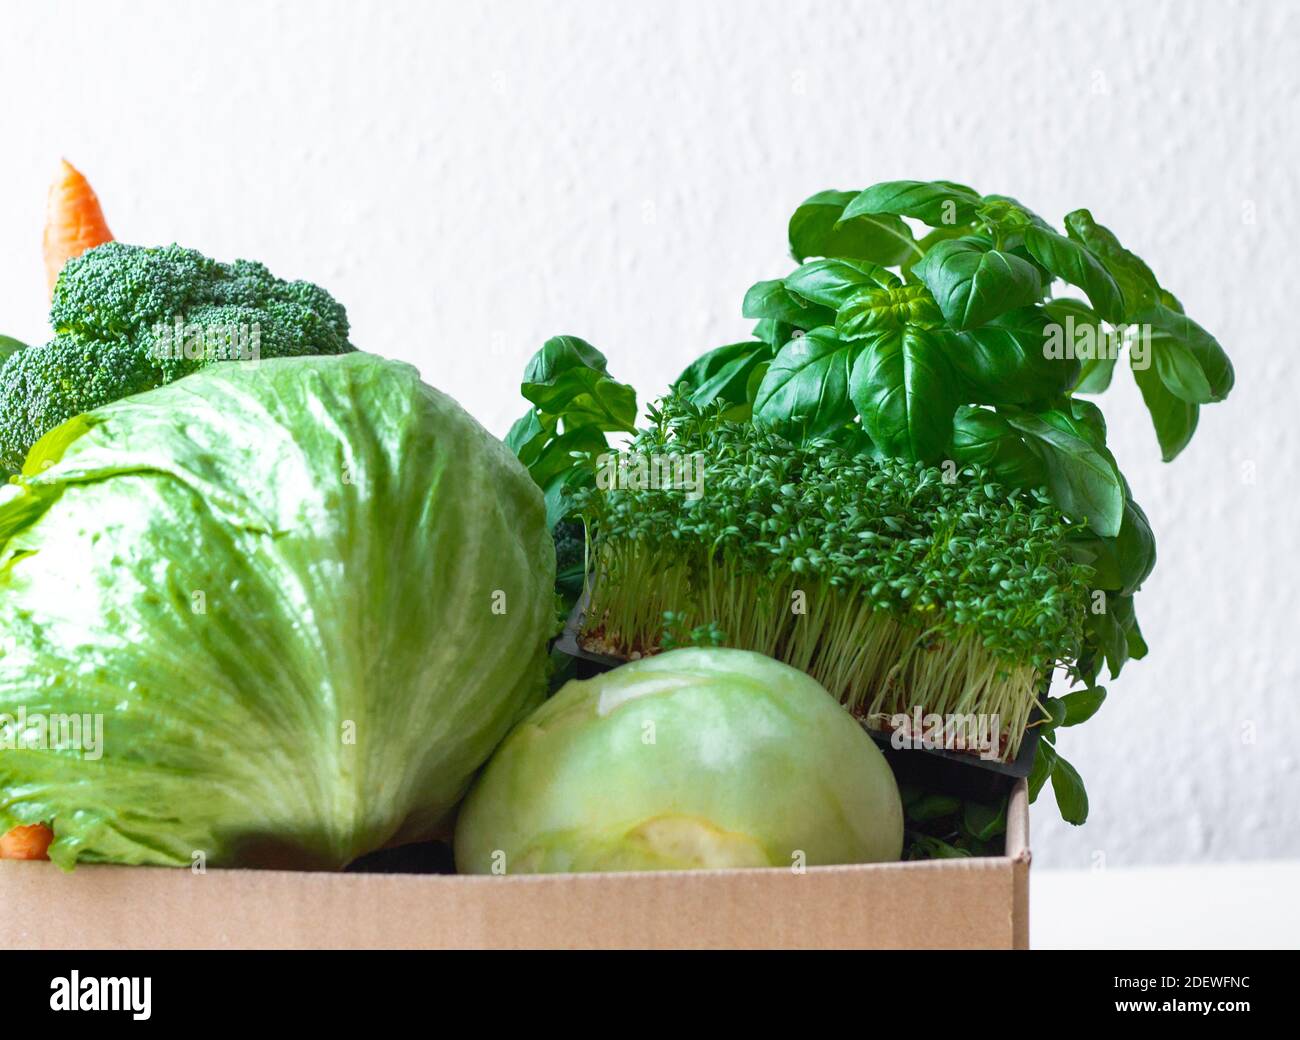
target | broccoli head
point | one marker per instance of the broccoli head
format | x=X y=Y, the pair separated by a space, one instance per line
x=128 y=318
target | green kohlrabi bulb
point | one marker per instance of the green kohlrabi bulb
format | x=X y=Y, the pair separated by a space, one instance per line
x=292 y=606
x=692 y=758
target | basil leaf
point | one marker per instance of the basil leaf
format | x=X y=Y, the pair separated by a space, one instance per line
x=830 y=282
x=1092 y=424
x=1135 y=548
x=1081 y=476
x=1126 y=614
x=1010 y=216
x=1124 y=562
x=902 y=386
x=807 y=385
x=771 y=300
x=1111 y=632
x=529 y=434
x=818 y=228
x=1179 y=370
x=1137 y=285
x=936 y=203
x=1071 y=798
x=727 y=377
x=868 y=309
x=1072 y=263
x=704 y=367
x=774 y=333
x=1044 y=762
x=1006 y=362
x=557 y=458
x=1174 y=419
x=929 y=241
x=1079 y=325
x=1081 y=705
x=984 y=822
x=984 y=437
x=933 y=807
x=973 y=284
x=1189 y=361
x=568 y=377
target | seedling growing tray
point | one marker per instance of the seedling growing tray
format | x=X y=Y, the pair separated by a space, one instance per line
x=958 y=773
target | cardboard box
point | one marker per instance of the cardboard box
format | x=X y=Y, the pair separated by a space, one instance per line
x=939 y=903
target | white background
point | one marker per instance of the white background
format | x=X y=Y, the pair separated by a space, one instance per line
x=471 y=178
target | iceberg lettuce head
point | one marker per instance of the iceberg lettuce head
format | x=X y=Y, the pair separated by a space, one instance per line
x=273 y=614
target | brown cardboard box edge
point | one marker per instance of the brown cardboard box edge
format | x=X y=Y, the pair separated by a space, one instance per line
x=955 y=903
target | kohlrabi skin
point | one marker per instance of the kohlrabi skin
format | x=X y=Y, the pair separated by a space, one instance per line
x=293 y=606
x=696 y=758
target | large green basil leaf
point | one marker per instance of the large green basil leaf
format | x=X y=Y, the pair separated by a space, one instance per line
x=1081 y=705
x=775 y=334
x=819 y=228
x=1081 y=476
x=772 y=301
x=1071 y=798
x=1174 y=419
x=569 y=378
x=1078 y=324
x=1091 y=422
x=984 y=437
x=936 y=203
x=973 y=284
x=1115 y=634
x=723 y=374
x=1190 y=362
x=807 y=385
x=530 y=433
x=1072 y=263
x=1124 y=562
x=556 y=458
x=831 y=281
x=902 y=386
x=1137 y=285
x=1135 y=644
x=1044 y=761
x=1005 y=361
x=707 y=365
x=930 y=240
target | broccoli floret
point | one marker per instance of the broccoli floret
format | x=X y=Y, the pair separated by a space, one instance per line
x=570 y=545
x=129 y=318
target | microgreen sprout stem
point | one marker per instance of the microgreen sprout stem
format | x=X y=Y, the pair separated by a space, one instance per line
x=894 y=584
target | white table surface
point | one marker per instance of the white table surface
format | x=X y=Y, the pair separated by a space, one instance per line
x=1218 y=906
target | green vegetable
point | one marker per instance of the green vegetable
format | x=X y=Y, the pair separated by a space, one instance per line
x=695 y=758
x=9 y=345
x=115 y=314
x=307 y=598
x=890 y=583
x=943 y=345
x=938 y=826
x=574 y=404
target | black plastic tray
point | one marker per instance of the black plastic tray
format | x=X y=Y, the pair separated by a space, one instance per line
x=936 y=770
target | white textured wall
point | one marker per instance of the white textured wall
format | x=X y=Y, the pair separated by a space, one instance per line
x=470 y=178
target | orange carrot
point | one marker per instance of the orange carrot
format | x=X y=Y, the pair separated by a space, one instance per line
x=73 y=221
x=26 y=842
